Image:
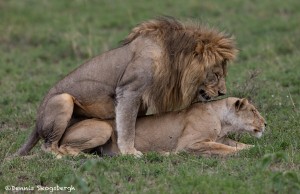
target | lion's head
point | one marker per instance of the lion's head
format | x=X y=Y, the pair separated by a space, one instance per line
x=214 y=50
x=207 y=71
x=214 y=83
x=246 y=117
x=192 y=65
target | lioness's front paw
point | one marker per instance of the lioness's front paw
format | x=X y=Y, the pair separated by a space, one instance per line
x=245 y=146
x=248 y=146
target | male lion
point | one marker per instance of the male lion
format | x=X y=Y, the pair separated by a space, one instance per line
x=162 y=65
x=199 y=129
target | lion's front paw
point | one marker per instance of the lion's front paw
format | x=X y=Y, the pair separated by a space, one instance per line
x=138 y=154
x=131 y=151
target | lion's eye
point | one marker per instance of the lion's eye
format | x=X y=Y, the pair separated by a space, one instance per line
x=224 y=62
x=217 y=76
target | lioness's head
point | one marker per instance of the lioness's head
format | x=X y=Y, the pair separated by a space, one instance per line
x=246 y=117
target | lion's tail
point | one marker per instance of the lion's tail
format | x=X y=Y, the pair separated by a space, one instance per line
x=31 y=142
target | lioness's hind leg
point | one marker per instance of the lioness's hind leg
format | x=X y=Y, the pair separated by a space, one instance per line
x=211 y=148
x=85 y=135
x=56 y=116
x=232 y=143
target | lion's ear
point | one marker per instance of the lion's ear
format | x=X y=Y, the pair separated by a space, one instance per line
x=201 y=46
x=199 y=49
x=240 y=104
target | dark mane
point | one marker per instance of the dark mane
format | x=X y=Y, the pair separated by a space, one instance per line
x=189 y=50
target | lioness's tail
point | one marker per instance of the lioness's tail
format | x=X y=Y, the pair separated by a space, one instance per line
x=32 y=140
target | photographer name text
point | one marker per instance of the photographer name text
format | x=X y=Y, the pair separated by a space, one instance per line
x=39 y=188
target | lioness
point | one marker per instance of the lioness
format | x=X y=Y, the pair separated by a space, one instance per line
x=162 y=65
x=199 y=129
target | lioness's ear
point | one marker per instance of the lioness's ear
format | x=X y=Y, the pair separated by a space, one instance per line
x=240 y=104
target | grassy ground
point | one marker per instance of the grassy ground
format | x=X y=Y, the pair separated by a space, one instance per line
x=41 y=41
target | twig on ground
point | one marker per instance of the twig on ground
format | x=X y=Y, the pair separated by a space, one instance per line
x=293 y=104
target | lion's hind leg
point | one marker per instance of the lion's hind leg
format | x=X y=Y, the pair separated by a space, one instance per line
x=85 y=135
x=54 y=120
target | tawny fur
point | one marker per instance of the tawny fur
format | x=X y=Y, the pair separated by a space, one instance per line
x=200 y=129
x=162 y=65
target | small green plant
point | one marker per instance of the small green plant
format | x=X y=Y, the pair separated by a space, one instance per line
x=273 y=158
x=286 y=182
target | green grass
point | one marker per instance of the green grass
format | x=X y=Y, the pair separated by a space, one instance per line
x=41 y=41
